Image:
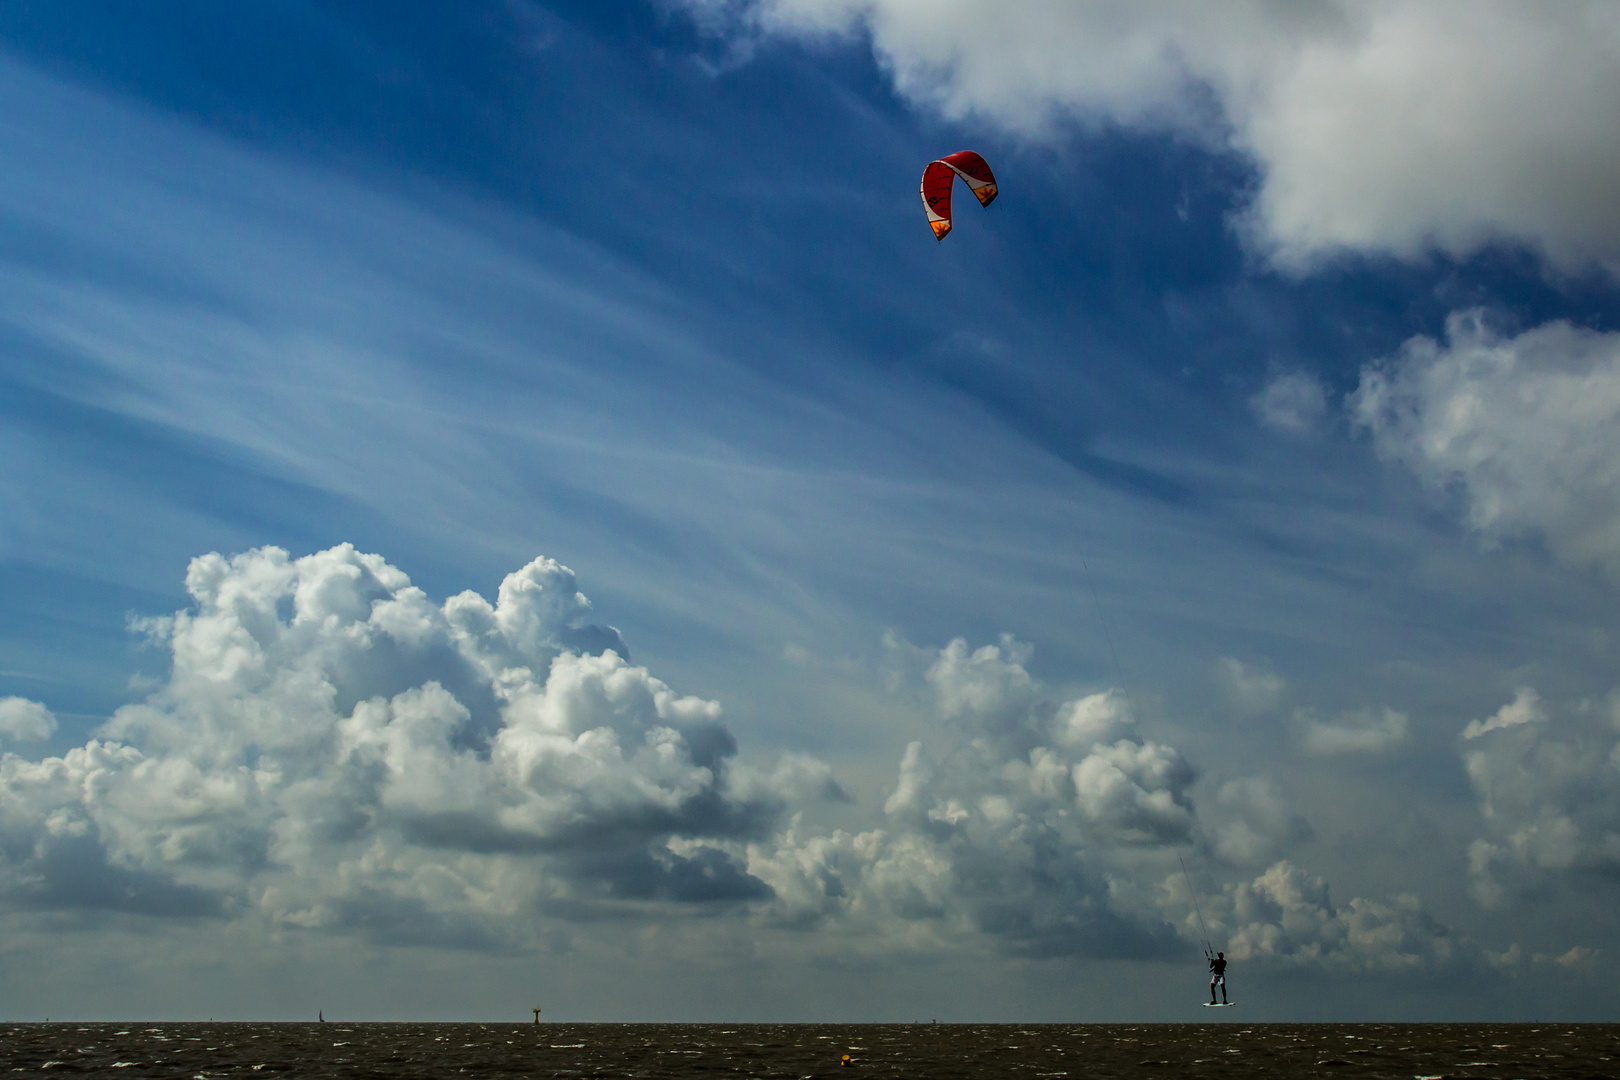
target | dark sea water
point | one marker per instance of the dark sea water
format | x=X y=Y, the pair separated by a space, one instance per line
x=1230 y=1051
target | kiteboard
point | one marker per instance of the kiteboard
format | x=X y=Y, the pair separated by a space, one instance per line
x=1219 y=1004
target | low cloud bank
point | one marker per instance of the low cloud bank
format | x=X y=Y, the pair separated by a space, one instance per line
x=1011 y=835
x=1287 y=917
x=334 y=752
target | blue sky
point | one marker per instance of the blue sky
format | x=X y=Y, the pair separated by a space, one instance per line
x=1226 y=480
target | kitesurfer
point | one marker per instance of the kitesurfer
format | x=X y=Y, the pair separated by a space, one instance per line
x=1217 y=976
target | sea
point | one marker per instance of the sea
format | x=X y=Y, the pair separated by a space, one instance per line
x=1228 y=1051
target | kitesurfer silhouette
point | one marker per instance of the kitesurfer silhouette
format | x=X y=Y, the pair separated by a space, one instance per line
x=1217 y=976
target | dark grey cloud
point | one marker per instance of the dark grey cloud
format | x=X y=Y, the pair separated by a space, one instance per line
x=72 y=873
x=1548 y=784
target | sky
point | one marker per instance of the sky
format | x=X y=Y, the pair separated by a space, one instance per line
x=507 y=504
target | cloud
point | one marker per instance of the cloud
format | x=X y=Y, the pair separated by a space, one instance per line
x=1249 y=690
x=1579 y=958
x=1526 y=429
x=1293 y=403
x=1525 y=708
x=1376 y=126
x=1286 y=917
x=1252 y=821
x=1549 y=798
x=1012 y=835
x=22 y=720
x=333 y=750
x=1367 y=732
x=1507 y=959
x=988 y=684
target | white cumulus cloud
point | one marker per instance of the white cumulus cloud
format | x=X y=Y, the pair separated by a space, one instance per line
x=1376 y=125
x=1287 y=917
x=333 y=750
x=1249 y=689
x=22 y=720
x=1525 y=708
x=1010 y=835
x=1370 y=731
x=1526 y=429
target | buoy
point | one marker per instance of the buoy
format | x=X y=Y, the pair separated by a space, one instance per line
x=847 y=1061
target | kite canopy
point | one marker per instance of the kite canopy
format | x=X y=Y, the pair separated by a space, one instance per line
x=937 y=180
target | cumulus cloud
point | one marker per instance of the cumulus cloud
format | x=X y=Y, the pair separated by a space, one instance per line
x=1009 y=835
x=1370 y=731
x=1578 y=958
x=1251 y=821
x=1250 y=690
x=1293 y=403
x=22 y=720
x=1507 y=959
x=335 y=751
x=1549 y=797
x=1526 y=429
x=1287 y=917
x=1525 y=708
x=988 y=685
x=1376 y=125
x=1044 y=829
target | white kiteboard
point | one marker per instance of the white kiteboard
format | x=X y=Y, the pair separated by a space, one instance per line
x=1219 y=1004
